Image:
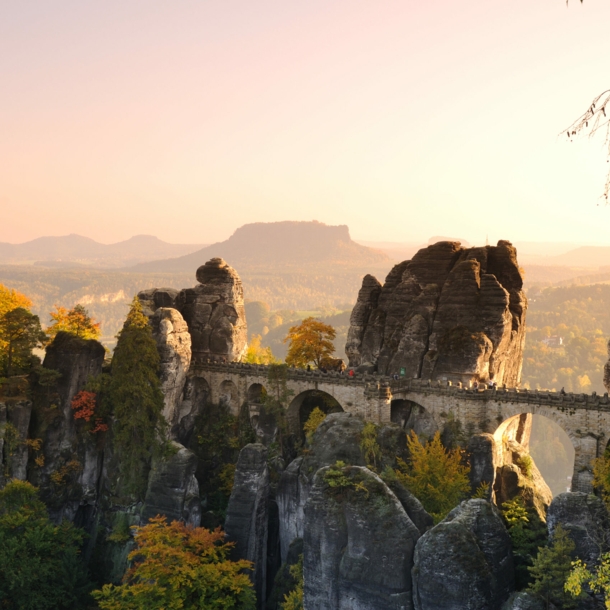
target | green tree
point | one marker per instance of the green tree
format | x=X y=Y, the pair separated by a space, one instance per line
x=75 y=321
x=40 y=567
x=551 y=569
x=310 y=342
x=180 y=567
x=369 y=446
x=527 y=533
x=20 y=333
x=275 y=400
x=435 y=475
x=133 y=394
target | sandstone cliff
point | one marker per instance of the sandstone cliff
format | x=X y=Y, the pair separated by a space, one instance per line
x=450 y=312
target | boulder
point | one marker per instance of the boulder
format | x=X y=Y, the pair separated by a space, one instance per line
x=170 y=332
x=248 y=513
x=358 y=544
x=450 y=312
x=153 y=298
x=465 y=562
x=585 y=518
x=526 y=601
x=173 y=490
x=214 y=312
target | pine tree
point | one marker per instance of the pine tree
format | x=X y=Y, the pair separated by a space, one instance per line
x=134 y=395
x=551 y=569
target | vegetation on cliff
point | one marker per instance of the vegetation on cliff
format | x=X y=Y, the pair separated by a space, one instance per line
x=40 y=563
x=177 y=566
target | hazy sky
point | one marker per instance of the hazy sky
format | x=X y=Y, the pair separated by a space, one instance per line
x=403 y=119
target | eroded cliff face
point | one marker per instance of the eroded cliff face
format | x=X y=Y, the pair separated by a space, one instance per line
x=213 y=310
x=450 y=312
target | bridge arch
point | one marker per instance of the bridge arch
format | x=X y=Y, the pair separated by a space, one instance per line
x=304 y=403
x=229 y=396
x=256 y=394
x=552 y=446
x=411 y=415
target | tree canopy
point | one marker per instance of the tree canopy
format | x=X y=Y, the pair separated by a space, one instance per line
x=75 y=321
x=310 y=342
x=133 y=393
x=20 y=333
x=435 y=475
x=39 y=561
x=177 y=566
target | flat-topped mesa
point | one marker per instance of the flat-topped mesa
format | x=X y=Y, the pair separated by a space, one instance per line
x=449 y=313
x=215 y=314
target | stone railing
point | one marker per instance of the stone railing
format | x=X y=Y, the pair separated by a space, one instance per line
x=560 y=400
x=382 y=383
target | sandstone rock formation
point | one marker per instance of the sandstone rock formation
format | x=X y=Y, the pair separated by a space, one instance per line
x=337 y=439
x=247 y=513
x=358 y=545
x=465 y=562
x=585 y=519
x=173 y=490
x=76 y=360
x=449 y=312
x=526 y=601
x=214 y=312
x=174 y=346
x=14 y=426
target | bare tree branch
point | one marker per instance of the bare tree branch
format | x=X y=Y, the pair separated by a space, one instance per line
x=596 y=118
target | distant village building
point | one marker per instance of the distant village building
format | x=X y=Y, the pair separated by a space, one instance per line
x=553 y=341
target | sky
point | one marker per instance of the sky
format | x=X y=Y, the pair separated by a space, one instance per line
x=402 y=119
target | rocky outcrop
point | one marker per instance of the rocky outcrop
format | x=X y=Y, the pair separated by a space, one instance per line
x=358 y=545
x=214 y=312
x=14 y=430
x=449 y=312
x=248 y=513
x=174 y=346
x=526 y=601
x=465 y=562
x=481 y=449
x=71 y=461
x=585 y=518
x=153 y=298
x=518 y=475
x=173 y=490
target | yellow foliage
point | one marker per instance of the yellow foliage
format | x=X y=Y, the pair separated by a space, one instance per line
x=226 y=476
x=435 y=475
x=75 y=321
x=316 y=417
x=310 y=342
x=256 y=354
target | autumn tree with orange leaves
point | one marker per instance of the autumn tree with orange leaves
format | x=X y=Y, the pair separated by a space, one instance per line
x=179 y=566
x=75 y=321
x=310 y=342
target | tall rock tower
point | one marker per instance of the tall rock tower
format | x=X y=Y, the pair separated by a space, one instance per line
x=449 y=313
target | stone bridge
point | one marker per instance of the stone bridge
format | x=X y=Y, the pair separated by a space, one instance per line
x=585 y=418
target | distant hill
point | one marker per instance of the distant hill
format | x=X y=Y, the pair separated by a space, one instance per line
x=72 y=250
x=279 y=245
x=585 y=256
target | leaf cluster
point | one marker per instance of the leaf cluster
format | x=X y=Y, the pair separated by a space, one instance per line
x=176 y=566
x=75 y=321
x=435 y=475
x=40 y=562
x=309 y=342
x=294 y=599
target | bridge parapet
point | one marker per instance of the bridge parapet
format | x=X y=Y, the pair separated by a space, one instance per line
x=567 y=401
